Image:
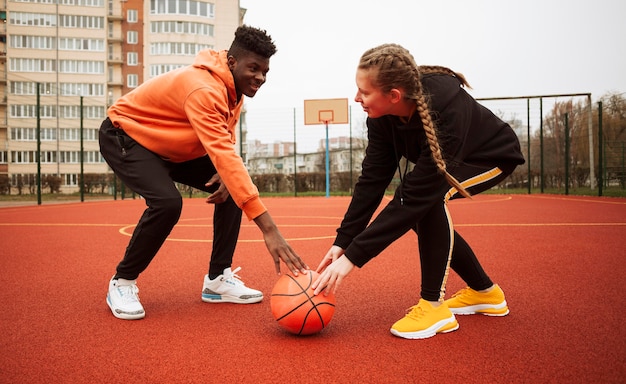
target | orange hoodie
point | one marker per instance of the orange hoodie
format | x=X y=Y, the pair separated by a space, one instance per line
x=188 y=113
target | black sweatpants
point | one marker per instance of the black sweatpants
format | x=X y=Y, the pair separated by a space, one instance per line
x=153 y=178
x=441 y=247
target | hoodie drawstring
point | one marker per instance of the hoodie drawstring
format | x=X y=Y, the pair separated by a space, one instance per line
x=400 y=173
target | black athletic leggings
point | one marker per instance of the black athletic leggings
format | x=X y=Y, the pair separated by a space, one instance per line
x=442 y=248
x=153 y=178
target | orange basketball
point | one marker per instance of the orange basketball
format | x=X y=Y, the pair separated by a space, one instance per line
x=296 y=308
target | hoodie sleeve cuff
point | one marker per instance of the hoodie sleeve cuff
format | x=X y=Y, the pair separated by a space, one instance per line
x=254 y=208
x=342 y=240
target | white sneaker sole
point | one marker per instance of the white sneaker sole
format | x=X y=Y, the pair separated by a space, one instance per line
x=125 y=315
x=483 y=309
x=213 y=298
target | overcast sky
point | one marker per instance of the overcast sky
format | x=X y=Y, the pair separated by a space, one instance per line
x=503 y=47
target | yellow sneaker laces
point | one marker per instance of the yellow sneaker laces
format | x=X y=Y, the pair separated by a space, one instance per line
x=415 y=312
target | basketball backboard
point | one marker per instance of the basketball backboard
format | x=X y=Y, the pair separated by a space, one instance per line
x=326 y=111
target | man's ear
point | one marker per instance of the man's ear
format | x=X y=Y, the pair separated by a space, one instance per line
x=232 y=62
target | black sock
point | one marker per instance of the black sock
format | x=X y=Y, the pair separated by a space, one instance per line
x=216 y=271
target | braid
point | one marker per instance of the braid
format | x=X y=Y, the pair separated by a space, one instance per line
x=433 y=141
x=397 y=69
x=425 y=69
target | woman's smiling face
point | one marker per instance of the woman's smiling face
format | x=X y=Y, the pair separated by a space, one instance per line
x=374 y=102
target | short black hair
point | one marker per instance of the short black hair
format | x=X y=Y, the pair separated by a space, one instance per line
x=250 y=39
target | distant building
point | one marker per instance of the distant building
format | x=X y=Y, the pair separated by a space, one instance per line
x=279 y=157
x=338 y=142
x=256 y=148
x=92 y=51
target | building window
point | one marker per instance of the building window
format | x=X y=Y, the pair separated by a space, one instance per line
x=30 y=111
x=132 y=58
x=48 y=156
x=132 y=16
x=73 y=157
x=32 y=65
x=182 y=7
x=23 y=157
x=182 y=27
x=30 y=134
x=84 y=3
x=172 y=48
x=79 y=44
x=78 y=21
x=30 y=88
x=157 y=69
x=73 y=134
x=89 y=111
x=81 y=89
x=34 y=19
x=71 y=179
x=132 y=81
x=132 y=37
x=32 y=42
x=81 y=66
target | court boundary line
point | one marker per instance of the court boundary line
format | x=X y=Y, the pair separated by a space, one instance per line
x=123 y=228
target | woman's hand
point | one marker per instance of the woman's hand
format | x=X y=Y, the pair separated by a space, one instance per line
x=333 y=268
x=333 y=254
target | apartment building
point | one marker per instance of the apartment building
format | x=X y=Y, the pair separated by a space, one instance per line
x=344 y=153
x=63 y=62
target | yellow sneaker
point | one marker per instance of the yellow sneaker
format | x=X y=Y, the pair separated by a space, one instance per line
x=468 y=302
x=424 y=320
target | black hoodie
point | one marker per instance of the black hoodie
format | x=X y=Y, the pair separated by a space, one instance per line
x=468 y=133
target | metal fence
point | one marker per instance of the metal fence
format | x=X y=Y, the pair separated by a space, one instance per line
x=561 y=137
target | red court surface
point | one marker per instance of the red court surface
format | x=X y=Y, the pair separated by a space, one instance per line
x=560 y=260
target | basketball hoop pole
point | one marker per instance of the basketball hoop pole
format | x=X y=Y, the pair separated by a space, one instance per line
x=327 y=162
x=325 y=111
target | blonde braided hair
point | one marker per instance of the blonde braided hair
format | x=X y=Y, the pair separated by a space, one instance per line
x=426 y=69
x=397 y=70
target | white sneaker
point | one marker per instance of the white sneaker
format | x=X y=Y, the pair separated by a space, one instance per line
x=123 y=299
x=228 y=288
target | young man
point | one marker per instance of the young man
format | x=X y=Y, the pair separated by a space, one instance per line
x=180 y=127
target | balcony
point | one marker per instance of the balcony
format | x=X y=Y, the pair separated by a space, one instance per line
x=115 y=83
x=114 y=17
x=115 y=60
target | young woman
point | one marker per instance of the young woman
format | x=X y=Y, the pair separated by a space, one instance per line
x=424 y=115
